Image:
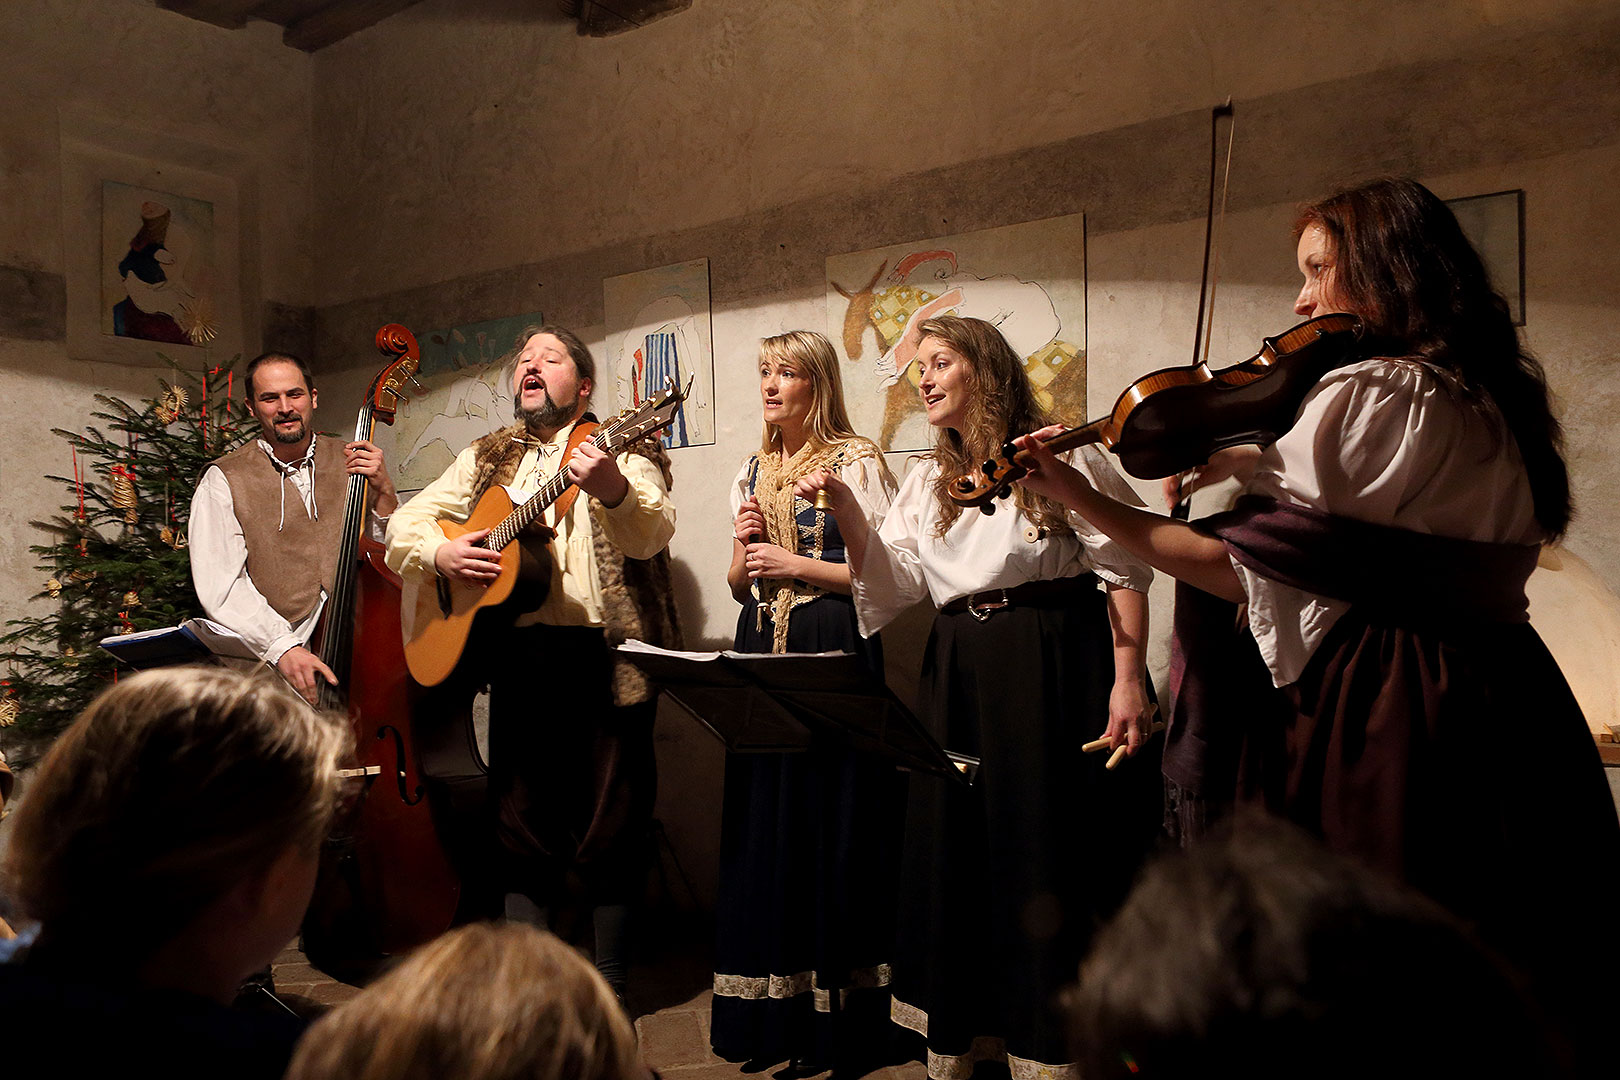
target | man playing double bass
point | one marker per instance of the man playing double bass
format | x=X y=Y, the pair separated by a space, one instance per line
x=570 y=730
x=267 y=519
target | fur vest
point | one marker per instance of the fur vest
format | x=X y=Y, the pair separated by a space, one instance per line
x=638 y=595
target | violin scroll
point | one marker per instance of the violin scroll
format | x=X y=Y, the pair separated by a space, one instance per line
x=991 y=481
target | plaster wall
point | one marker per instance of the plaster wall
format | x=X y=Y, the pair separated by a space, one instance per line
x=233 y=103
x=500 y=135
x=128 y=63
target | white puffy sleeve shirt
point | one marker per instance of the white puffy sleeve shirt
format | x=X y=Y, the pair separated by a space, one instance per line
x=905 y=560
x=1389 y=442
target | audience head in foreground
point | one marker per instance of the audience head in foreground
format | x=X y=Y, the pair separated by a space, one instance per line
x=490 y=1001
x=167 y=848
x=1259 y=953
x=171 y=834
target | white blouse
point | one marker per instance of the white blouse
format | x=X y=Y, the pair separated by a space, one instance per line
x=1390 y=442
x=906 y=561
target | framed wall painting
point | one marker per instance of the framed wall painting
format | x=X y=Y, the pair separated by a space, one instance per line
x=1494 y=224
x=153 y=247
x=658 y=328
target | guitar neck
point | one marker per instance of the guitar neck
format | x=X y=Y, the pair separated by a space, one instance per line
x=531 y=508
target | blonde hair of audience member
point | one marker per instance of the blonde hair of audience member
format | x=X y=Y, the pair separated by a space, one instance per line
x=1003 y=405
x=489 y=1001
x=172 y=833
x=812 y=354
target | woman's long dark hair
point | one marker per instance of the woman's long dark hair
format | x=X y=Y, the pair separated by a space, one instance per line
x=1002 y=403
x=1402 y=263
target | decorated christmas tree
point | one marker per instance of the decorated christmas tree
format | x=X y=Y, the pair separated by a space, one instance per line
x=116 y=560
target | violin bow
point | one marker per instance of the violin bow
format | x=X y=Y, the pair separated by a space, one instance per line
x=1211 y=272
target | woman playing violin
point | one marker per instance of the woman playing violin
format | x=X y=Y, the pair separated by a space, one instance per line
x=1036 y=649
x=1381 y=551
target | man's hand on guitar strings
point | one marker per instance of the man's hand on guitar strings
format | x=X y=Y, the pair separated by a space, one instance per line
x=598 y=475
x=463 y=560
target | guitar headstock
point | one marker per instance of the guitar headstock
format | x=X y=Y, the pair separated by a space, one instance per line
x=387 y=389
x=652 y=415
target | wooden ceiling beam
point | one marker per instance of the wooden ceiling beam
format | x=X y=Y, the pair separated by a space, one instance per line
x=231 y=14
x=336 y=21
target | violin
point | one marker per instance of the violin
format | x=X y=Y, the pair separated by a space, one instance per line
x=1173 y=419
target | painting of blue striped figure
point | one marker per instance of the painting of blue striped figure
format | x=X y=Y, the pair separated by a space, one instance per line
x=658 y=331
x=663 y=365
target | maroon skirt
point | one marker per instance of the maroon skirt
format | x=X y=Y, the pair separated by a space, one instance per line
x=1458 y=760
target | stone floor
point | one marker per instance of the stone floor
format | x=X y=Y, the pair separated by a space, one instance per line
x=669 y=998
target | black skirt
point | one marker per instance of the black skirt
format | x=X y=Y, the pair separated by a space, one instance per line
x=808 y=849
x=1004 y=883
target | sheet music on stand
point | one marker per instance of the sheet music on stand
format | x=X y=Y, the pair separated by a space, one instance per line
x=193 y=641
x=775 y=702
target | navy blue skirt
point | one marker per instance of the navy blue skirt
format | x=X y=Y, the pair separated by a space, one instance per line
x=808 y=852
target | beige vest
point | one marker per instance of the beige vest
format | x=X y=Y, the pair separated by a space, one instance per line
x=283 y=547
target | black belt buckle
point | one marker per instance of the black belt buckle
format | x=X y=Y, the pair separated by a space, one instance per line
x=982 y=610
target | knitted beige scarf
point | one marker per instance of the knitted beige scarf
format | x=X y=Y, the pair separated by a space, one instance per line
x=773 y=490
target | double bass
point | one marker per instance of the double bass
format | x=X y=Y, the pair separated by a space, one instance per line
x=386 y=882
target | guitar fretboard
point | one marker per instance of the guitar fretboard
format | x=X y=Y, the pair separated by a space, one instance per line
x=603 y=438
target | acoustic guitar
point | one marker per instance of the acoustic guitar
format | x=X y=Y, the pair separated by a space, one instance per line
x=439 y=622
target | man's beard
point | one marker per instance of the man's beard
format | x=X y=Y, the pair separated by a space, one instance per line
x=288 y=437
x=547 y=417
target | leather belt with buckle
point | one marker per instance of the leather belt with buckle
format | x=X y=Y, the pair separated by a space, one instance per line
x=982 y=605
x=980 y=608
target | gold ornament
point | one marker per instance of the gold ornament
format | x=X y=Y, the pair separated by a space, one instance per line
x=123 y=495
x=82 y=575
x=172 y=538
x=9 y=711
x=70 y=657
x=172 y=403
x=197 y=320
x=54 y=587
x=132 y=599
x=127 y=627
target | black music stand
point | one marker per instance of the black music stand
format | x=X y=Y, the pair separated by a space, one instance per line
x=784 y=702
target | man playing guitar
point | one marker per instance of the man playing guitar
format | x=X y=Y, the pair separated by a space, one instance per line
x=571 y=777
